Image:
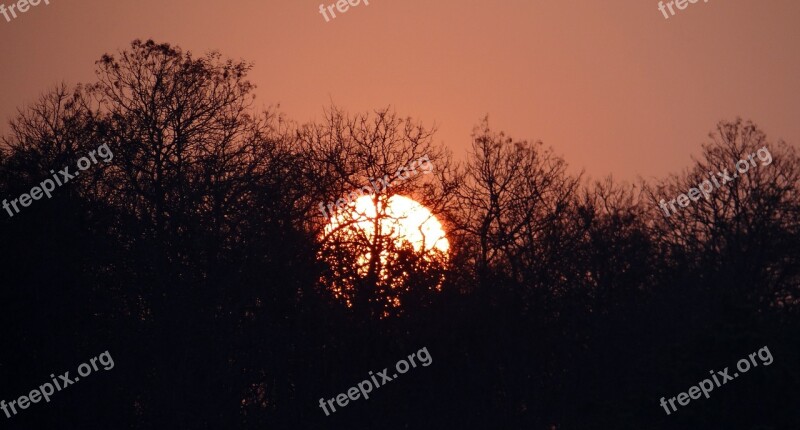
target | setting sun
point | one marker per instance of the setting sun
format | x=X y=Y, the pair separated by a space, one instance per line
x=405 y=221
x=380 y=253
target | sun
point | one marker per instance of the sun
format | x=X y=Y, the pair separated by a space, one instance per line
x=380 y=249
x=403 y=219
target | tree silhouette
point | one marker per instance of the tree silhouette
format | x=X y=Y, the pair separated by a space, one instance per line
x=199 y=258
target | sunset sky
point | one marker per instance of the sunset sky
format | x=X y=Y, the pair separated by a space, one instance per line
x=613 y=86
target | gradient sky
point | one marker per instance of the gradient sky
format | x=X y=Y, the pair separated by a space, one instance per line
x=611 y=85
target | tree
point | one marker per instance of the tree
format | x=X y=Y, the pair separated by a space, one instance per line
x=366 y=266
x=745 y=226
x=516 y=203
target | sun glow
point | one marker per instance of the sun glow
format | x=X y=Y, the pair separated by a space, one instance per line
x=405 y=221
x=411 y=244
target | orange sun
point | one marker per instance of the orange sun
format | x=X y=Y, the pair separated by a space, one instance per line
x=405 y=221
x=411 y=250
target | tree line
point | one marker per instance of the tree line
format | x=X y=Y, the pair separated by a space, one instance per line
x=198 y=257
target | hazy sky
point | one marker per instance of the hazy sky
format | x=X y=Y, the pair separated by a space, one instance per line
x=611 y=85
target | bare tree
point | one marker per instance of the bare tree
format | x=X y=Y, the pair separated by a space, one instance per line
x=52 y=132
x=515 y=203
x=369 y=155
x=748 y=222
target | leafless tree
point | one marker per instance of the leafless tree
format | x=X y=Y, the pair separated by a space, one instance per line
x=358 y=155
x=748 y=219
x=516 y=203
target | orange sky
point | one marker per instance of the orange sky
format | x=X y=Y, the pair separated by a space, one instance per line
x=611 y=85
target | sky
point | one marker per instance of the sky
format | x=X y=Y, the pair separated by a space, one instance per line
x=613 y=87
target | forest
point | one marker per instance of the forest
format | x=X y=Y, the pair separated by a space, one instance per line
x=199 y=259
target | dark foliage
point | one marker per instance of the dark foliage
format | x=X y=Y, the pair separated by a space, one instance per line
x=193 y=258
